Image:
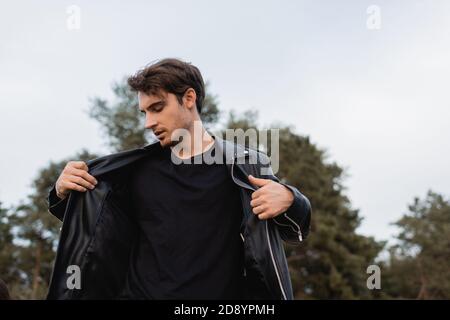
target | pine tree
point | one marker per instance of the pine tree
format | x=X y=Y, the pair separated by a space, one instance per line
x=8 y=250
x=419 y=266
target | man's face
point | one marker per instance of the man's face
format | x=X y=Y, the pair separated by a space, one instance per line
x=163 y=115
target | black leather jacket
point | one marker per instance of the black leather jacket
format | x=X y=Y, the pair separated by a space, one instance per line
x=97 y=234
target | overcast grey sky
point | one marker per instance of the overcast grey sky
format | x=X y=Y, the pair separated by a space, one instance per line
x=376 y=99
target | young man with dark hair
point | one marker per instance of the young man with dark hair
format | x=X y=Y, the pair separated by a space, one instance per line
x=160 y=223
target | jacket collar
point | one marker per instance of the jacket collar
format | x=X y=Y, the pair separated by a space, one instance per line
x=230 y=152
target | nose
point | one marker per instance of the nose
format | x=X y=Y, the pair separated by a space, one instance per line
x=150 y=122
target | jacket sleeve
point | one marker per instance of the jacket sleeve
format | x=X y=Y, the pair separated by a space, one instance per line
x=56 y=206
x=294 y=224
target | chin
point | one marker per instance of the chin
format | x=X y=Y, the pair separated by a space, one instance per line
x=163 y=143
x=166 y=143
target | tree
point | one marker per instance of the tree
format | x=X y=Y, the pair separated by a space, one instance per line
x=419 y=265
x=8 y=250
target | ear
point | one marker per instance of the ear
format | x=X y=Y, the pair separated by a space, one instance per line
x=189 y=98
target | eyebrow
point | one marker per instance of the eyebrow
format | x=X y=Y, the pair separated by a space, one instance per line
x=154 y=104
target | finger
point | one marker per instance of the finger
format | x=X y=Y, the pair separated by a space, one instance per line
x=258 y=209
x=256 y=202
x=264 y=216
x=84 y=175
x=80 y=181
x=74 y=186
x=258 y=182
x=78 y=165
x=258 y=193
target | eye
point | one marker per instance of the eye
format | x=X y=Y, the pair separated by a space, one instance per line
x=157 y=108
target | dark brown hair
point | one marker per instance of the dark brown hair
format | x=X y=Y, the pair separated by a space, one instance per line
x=172 y=76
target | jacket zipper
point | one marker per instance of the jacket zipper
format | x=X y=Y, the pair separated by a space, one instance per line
x=274 y=264
x=245 y=269
x=267 y=233
x=299 y=232
x=300 y=237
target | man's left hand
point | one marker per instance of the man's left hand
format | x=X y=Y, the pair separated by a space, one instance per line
x=271 y=199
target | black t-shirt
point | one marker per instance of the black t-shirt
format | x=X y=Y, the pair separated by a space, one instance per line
x=189 y=218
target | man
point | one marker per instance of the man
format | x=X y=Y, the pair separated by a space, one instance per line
x=160 y=223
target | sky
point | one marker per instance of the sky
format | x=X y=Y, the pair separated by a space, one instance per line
x=369 y=87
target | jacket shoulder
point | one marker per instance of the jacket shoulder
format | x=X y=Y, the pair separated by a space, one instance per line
x=121 y=159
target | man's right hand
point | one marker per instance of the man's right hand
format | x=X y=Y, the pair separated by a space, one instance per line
x=75 y=176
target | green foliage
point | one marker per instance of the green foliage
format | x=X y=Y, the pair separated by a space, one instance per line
x=420 y=263
x=8 y=251
x=210 y=112
x=121 y=121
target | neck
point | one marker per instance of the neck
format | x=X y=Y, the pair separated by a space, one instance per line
x=196 y=142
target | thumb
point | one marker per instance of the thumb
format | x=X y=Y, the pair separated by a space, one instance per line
x=258 y=181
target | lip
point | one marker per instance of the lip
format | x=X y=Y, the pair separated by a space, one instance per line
x=158 y=134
